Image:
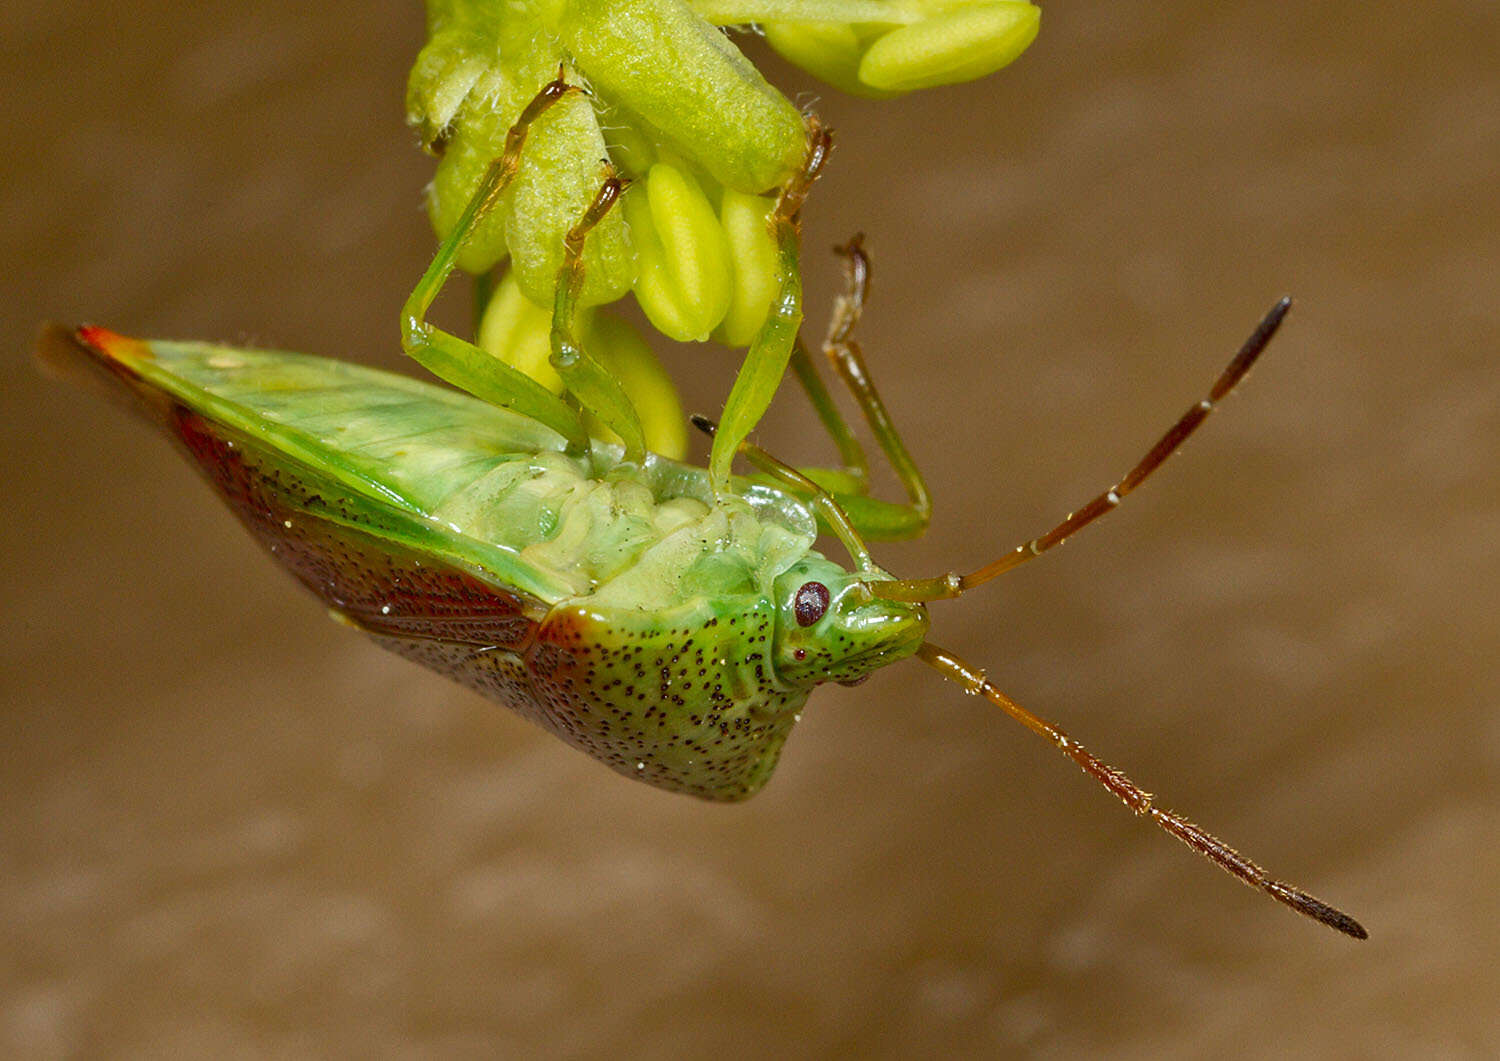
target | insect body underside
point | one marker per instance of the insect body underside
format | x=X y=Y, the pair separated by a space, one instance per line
x=683 y=698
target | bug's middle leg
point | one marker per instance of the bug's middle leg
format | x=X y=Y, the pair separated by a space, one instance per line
x=455 y=360
x=595 y=387
x=830 y=512
x=854 y=476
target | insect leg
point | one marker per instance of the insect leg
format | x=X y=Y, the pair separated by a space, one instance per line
x=596 y=389
x=843 y=352
x=462 y=363
x=877 y=519
x=855 y=468
x=973 y=681
x=766 y=360
x=952 y=584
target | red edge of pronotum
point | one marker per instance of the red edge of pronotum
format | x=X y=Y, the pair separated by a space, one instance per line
x=112 y=343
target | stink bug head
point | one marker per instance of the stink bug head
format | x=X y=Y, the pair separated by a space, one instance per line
x=829 y=627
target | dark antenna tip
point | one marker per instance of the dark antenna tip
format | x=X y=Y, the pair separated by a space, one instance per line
x=1347 y=925
x=1320 y=911
x=1270 y=322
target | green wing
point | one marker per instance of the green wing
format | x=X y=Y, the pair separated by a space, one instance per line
x=394 y=447
x=408 y=443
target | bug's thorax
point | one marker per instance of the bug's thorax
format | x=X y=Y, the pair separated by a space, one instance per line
x=684 y=698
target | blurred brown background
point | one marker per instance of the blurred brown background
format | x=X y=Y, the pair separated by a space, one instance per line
x=229 y=827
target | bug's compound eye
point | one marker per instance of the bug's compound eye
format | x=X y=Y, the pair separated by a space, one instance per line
x=811 y=603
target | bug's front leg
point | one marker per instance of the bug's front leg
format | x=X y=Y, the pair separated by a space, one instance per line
x=455 y=360
x=766 y=360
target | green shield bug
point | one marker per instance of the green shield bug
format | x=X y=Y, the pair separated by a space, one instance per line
x=671 y=629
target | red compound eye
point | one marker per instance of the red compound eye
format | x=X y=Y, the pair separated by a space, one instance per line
x=811 y=603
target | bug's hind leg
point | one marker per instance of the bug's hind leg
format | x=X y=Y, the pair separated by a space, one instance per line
x=878 y=519
x=594 y=386
x=455 y=360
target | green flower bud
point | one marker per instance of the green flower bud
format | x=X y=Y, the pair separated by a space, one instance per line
x=959 y=44
x=519 y=332
x=629 y=148
x=620 y=349
x=560 y=172
x=682 y=253
x=683 y=78
x=752 y=254
x=828 y=50
x=457 y=63
x=466 y=155
x=484 y=63
x=560 y=175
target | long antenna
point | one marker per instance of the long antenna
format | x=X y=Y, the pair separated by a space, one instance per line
x=1140 y=801
x=944 y=587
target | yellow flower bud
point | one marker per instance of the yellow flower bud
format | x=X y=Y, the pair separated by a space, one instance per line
x=959 y=45
x=828 y=50
x=752 y=254
x=683 y=282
